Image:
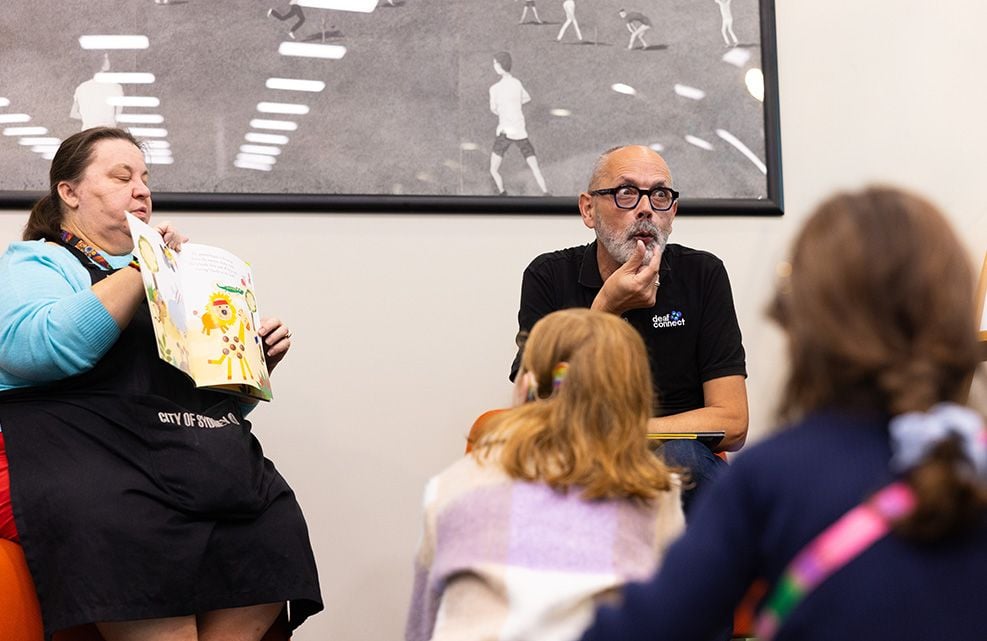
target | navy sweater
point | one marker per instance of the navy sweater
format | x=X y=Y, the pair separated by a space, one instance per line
x=772 y=501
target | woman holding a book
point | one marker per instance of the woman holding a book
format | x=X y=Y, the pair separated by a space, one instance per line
x=867 y=517
x=133 y=517
x=560 y=501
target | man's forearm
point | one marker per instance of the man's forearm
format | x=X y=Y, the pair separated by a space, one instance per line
x=706 y=419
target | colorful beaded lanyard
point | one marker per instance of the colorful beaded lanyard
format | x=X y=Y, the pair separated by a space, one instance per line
x=88 y=250
x=836 y=546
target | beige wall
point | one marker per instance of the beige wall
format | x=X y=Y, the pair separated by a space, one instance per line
x=404 y=325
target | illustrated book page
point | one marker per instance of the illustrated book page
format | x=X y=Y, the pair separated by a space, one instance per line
x=204 y=313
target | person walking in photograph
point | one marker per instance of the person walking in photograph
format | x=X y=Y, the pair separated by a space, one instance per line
x=529 y=4
x=726 y=23
x=507 y=96
x=569 y=6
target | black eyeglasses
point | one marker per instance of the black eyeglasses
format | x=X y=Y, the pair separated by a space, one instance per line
x=628 y=196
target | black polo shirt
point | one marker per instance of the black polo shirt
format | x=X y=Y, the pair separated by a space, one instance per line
x=691 y=333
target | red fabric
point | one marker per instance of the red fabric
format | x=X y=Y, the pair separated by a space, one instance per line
x=7 y=528
x=746 y=613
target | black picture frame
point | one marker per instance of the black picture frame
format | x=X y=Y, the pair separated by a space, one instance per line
x=772 y=204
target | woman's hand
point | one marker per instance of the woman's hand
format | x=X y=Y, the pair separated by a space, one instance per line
x=277 y=340
x=172 y=237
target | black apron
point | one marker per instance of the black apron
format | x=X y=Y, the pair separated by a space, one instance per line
x=138 y=496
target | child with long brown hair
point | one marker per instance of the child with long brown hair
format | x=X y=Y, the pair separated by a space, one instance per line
x=866 y=519
x=561 y=501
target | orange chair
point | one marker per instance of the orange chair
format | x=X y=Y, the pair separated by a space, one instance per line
x=20 y=613
x=479 y=425
x=21 y=619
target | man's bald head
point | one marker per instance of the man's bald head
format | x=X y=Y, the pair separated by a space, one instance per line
x=620 y=154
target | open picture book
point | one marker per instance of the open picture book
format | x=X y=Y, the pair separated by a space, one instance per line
x=204 y=312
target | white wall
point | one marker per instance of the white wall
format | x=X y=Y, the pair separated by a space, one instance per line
x=404 y=325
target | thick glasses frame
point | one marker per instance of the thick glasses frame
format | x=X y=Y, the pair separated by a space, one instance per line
x=612 y=191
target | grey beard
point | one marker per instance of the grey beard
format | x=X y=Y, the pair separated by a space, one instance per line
x=623 y=251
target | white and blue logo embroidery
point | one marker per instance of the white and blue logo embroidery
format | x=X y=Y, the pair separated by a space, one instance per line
x=671 y=319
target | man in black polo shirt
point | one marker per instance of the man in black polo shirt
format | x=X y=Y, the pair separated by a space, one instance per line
x=677 y=298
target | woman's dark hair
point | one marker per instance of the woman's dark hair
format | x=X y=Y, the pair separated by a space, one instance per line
x=70 y=163
x=950 y=499
x=879 y=309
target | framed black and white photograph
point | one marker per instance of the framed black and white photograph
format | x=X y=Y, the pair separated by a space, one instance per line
x=398 y=105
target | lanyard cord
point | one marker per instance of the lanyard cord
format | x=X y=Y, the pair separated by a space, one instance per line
x=90 y=252
x=833 y=548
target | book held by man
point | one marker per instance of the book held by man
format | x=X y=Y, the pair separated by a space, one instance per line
x=710 y=439
x=204 y=312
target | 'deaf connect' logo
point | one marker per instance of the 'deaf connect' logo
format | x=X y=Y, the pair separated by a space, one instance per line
x=671 y=319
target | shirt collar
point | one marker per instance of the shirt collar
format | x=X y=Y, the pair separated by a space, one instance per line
x=589 y=271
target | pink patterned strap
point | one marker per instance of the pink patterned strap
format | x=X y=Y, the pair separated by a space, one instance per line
x=833 y=548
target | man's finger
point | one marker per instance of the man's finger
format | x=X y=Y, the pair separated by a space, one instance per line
x=634 y=262
x=655 y=261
